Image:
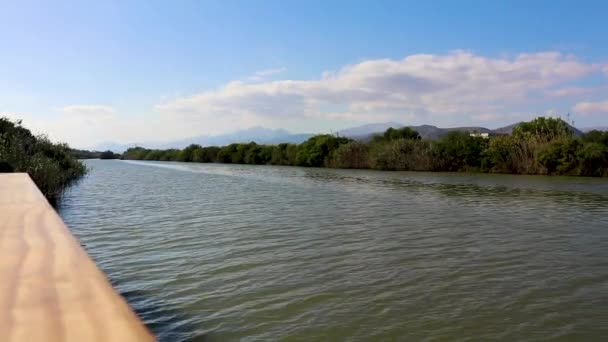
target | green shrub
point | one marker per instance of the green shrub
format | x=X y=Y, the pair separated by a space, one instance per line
x=593 y=159
x=392 y=134
x=514 y=155
x=316 y=150
x=108 y=155
x=353 y=155
x=459 y=152
x=541 y=146
x=596 y=137
x=545 y=128
x=51 y=166
x=559 y=156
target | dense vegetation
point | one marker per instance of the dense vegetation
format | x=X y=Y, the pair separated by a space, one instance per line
x=51 y=166
x=541 y=146
x=86 y=154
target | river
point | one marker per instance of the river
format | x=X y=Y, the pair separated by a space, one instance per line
x=210 y=252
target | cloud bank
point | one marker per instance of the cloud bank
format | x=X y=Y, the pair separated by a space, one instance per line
x=451 y=89
x=592 y=108
x=422 y=85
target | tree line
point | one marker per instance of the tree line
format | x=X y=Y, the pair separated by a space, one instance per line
x=86 y=154
x=541 y=146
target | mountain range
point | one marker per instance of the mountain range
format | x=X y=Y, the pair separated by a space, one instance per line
x=260 y=135
x=597 y=128
x=263 y=135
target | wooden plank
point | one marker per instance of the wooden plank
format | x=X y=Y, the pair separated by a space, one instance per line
x=50 y=290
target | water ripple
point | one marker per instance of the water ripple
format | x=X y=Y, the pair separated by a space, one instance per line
x=236 y=252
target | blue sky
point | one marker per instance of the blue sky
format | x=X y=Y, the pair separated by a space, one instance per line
x=133 y=71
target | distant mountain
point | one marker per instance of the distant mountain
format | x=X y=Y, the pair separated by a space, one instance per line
x=509 y=129
x=260 y=135
x=598 y=128
x=263 y=135
x=506 y=129
x=434 y=132
x=366 y=130
x=425 y=131
x=112 y=146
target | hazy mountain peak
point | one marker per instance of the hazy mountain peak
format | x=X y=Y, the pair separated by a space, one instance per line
x=596 y=128
x=368 y=129
x=263 y=135
x=259 y=130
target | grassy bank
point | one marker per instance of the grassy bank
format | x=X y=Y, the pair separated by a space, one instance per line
x=51 y=166
x=542 y=146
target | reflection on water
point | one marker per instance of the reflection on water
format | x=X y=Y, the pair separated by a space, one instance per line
x=228 y=252
x=167 y=323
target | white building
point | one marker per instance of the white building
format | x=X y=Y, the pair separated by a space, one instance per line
x=480 y=135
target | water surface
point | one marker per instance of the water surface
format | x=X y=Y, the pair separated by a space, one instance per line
x=233 y=252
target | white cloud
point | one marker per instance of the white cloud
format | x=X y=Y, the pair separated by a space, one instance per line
x=459 y=88
x=93 y=110
x=568 y=92
x=552 y=112
x=81 y=126
x=88 y=115
x=264 y=74
x=591 y=108
x=85 y=126
x=419 y=86
x=487 y=117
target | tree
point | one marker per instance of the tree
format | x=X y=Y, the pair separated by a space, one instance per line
x=136 y=153
x=51 y=166
x=187 y=154
x=546 y=128
x=253 y=154
x=559 y=156
x=392 y=134
x=315 y=150
x=593 y=159
x=459 y=151
x=107 y=155
x=225 y=153
x=351 y=155
x=401 y=133
x=596 y=136
x=543 y=145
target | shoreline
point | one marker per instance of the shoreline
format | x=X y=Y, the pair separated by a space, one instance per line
x=473 y=173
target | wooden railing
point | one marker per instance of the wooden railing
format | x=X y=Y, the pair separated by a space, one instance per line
x=50 y=290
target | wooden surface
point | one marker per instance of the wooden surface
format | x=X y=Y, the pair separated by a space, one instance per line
x=50 y=290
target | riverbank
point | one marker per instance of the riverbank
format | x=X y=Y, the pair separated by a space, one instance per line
x=51 y=166
x=544 y=146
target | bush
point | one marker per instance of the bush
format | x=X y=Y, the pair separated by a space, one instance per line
x=392 y=134
x=593 y=159
x=541 y=146
x=51 y=166
x=284 y=154
x=460 y=152
x=559 y=156
x=595 y=136
x=514 y=155
x=543 y=128
x=108 y=155
x=187 y=154
x=353 y=155
x=316 y=150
